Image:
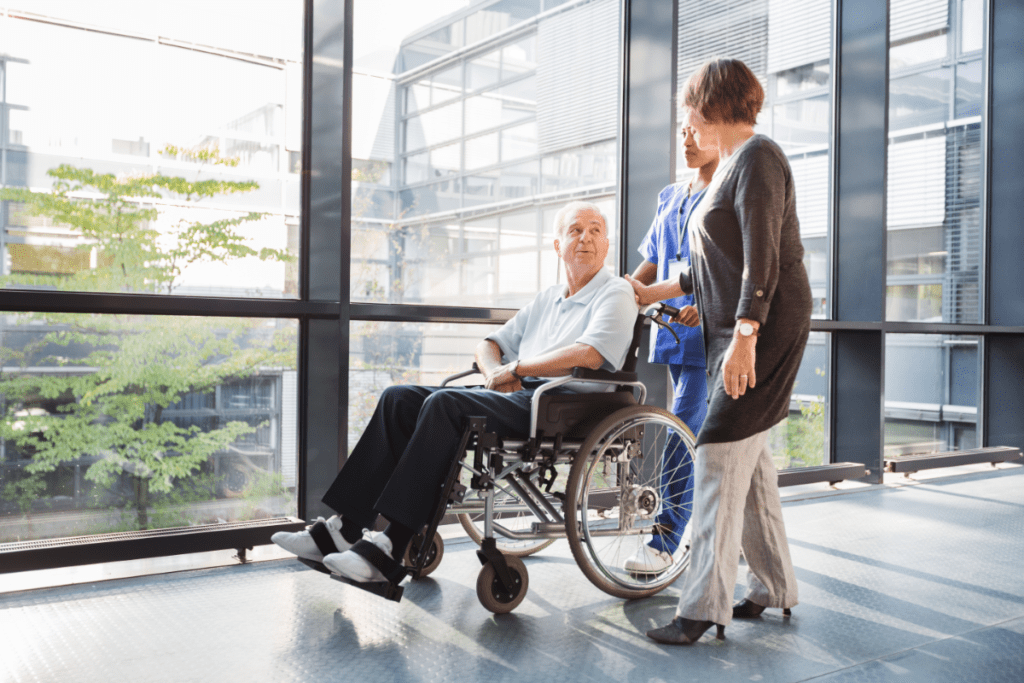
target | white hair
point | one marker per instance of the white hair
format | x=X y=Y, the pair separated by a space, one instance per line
x=566 y=216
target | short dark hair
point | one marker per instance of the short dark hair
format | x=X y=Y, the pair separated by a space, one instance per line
x=724 y=90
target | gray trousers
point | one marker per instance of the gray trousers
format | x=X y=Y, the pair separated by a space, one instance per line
x=736 y=504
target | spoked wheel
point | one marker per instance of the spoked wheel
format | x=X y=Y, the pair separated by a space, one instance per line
x=511 y=513
x=434 y=555
x=494 y=595
x=632 y=477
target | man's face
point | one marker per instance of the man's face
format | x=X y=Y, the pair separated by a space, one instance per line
x=695 y=156
x=584 y=242
x=703 y=134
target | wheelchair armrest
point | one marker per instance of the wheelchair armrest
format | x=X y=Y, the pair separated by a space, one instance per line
x=603 y=375
x=465 y=373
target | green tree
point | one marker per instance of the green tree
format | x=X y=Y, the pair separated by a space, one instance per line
x=140 y=365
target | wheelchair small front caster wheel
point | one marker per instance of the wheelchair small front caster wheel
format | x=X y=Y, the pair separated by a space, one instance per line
x=494 y=595
x=434 y=554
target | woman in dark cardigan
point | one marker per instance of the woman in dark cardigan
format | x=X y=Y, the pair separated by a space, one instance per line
x=754 y=301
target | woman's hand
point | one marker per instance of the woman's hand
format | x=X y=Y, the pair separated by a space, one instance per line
x=687 y=316
x=738 y=368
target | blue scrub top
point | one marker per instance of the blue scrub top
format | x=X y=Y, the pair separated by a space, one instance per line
x=661 y=246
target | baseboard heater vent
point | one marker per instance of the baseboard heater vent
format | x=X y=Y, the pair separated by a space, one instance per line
x=833 y=474
x=913 y=463
x=136 y=545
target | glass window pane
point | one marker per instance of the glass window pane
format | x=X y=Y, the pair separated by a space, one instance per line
x=480 y=189
x=480 y=234
x=482 y=151
x=802 y=123
x=519 y=58
x=483 y=71
x=198 y=428
x=799 y=440
x=417 y=167
x=928 y=48
x=933 y=188
x=446 y=84
x=445 y=160
x=519 y=141
x=443 y=196
x=483 y=112
x=417 y=96
x=384 y=354
x=521 y=180
x=788 y=46
x=523 y=92
x=919 y=99
x=972 y=22
x=802 y=79
x=931 y=389
x=968 y=89
x=497 y=17
x=500 y=171
x=187 y=115
x=580 y=167
x=434 y=127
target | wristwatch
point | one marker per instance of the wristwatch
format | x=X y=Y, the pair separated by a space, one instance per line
x=746 y=329
x=515 y=370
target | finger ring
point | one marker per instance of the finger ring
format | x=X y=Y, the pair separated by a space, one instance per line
x=743 y=376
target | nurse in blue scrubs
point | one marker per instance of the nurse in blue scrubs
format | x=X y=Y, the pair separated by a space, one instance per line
x=666 y=249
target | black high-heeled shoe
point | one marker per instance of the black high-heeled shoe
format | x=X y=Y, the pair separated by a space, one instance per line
x=682 y=631
x=745 y=609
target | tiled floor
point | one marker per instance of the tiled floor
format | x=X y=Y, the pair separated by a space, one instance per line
x=917 y=583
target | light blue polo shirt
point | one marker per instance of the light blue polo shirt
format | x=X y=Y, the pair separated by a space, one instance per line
x=600 y=315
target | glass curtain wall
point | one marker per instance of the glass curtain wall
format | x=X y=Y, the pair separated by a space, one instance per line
x=471 y=128
x=788 y=46
x=474 y=122
x=934 y=197
x=148 y=150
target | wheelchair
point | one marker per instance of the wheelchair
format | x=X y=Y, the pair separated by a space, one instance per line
x=616 y=457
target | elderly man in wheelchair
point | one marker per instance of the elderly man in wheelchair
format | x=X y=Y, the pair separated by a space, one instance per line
x=555 y=401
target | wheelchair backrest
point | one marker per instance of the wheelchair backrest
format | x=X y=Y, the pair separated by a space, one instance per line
x=634 y=346
x=574 y=416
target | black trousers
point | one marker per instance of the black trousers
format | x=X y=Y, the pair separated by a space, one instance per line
x=401 y=460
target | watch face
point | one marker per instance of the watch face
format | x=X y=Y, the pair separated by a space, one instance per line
x=746 y=329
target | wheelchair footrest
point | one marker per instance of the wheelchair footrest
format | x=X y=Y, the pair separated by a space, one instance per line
x=313 y=564
x=385 y=589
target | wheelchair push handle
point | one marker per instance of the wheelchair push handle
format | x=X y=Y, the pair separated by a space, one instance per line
x=655 y=311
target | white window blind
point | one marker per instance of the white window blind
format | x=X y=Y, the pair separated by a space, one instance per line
x=909 y=18
x=916 y=184
x=578 y=76
x=810 y=176
x=798 y=33
x=723 y=28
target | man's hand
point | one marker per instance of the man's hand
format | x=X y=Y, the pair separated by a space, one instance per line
x=501 y=379
x=688 y=316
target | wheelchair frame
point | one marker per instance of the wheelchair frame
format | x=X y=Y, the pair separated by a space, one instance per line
x=503 y=580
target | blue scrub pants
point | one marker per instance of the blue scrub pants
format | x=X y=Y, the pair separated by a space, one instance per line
x=689 y=404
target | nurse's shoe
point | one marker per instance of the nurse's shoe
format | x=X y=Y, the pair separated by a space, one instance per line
x=647 y=560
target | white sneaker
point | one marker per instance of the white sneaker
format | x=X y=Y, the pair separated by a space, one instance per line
x=302 y=544
x=647 y=560
x=356 y=567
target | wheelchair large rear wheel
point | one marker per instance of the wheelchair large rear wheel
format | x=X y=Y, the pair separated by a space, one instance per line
x=511 y=513
x=632 y=473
